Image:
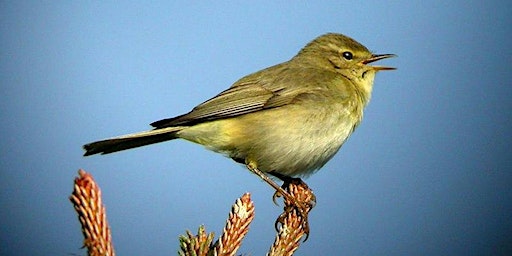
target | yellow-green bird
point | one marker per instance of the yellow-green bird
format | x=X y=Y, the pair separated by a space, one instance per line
x=287 y=120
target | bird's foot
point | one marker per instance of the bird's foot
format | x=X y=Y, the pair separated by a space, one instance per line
x=299 y=200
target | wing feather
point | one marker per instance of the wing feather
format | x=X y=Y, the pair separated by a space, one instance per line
x=250 y=94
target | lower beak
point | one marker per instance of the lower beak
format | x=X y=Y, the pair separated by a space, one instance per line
x=376 y=57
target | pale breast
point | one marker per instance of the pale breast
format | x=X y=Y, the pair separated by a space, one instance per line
x=293 y=141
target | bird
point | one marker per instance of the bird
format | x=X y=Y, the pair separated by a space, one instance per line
x=285 y=121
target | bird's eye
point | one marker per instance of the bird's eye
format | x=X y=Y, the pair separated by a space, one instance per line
x=347 y=55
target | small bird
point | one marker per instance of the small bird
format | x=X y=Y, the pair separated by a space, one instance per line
x=287 y=120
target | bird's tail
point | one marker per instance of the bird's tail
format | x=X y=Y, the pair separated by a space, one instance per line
x=131 y=141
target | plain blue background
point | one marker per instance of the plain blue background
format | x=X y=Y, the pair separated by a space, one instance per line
x=429 y=171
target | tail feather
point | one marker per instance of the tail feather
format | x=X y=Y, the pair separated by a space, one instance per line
x=130 y=141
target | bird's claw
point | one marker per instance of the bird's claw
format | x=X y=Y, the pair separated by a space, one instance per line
x=298 y=198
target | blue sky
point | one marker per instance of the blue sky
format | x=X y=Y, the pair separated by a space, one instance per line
x=428 y=172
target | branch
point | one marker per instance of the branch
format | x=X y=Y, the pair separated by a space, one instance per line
x=291 y=225
x=86 y=199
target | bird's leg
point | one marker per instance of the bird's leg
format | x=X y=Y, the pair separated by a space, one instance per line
x=268 y=180
x=287 y=181
x=291 y=202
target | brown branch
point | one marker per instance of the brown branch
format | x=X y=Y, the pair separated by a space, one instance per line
x=86 y=199
x=293 y=225
x=87 y=202
x=237 y=226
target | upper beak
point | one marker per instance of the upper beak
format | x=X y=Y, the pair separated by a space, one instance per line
x=376 y=57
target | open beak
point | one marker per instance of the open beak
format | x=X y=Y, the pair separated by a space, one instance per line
x=376 y=57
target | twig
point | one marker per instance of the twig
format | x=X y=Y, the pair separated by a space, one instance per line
x=293 y=226
x=86 y=199
x=237 y=226
x=87 y=202
x=199 y=245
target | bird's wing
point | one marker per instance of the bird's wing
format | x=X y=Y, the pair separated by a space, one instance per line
x=235 y=101
x=250 y=94
x=253 y=93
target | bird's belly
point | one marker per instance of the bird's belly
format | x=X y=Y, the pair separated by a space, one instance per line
x=288 y=141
